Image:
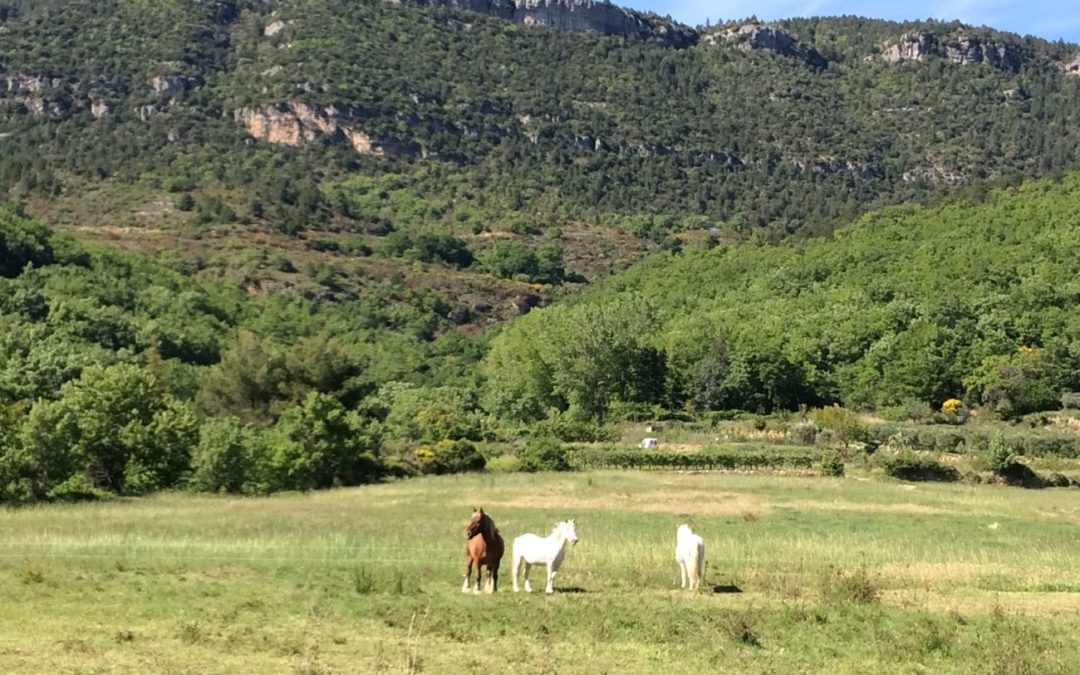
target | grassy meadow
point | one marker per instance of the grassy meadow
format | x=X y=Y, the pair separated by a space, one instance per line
x=804 y=574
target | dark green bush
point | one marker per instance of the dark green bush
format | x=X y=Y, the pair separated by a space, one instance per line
x=920 y=469
x=544 y=454
x=571 y=430
x=832 y=464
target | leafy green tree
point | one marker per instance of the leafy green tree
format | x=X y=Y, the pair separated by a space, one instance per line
x=1016 y=384
x=22 y=242
x=427 y=414
x=319 y=444
x=589 y=356
x=227 y=457
x=115 y=426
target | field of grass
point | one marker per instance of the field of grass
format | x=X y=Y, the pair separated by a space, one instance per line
x=804 y=574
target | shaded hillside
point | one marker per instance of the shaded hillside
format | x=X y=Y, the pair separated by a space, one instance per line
x=905 y=306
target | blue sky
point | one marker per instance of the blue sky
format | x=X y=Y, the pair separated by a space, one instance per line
x=1047 y=18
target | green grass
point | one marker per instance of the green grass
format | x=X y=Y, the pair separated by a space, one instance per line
x=847 y=575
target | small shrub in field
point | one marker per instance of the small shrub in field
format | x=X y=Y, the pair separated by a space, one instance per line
x=858 y=588
x=504 y=464
x=1070 y=400
x=805 y=432
x=832 y=464
x=741 y=629
x=912 y=468
x=999 y=453
x=544 y=454
x=77 y=488
x=32 y=572
x=845 y=424
x=190 y=632
x=363 y=581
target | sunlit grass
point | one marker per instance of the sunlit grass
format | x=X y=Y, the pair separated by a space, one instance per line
x=332 y=581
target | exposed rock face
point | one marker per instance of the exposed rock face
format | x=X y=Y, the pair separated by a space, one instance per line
x=30 y=84
x=579 y=16
x=1072 y=67
x=753 y=36
x=296 y=123
x=274 y=28
x=100 y=109
x=173 y=85
x=959 y=49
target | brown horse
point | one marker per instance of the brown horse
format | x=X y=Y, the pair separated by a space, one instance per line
x=483 y=546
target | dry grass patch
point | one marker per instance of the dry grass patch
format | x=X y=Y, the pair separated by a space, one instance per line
x=926 y=574
x=868 y=507
x=1022 y=603
x=678 y=502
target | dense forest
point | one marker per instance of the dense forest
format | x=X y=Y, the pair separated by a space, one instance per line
x=120 y=374
x=905 y=306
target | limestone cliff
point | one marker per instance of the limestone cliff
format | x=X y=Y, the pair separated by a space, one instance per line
x=754 y=36
x=960 y=49
x=579 y=16
x=295 y=123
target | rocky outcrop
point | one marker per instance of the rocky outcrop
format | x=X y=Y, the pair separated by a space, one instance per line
x=295 y=123
x=274 y=28
x=1072 y=67
x=31 y=84
x=959 y=49
x=173 y=85
x=753 y=36
x=100 y=109
x=579 y=16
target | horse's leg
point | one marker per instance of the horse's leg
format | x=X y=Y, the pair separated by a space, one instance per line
x=514 y=570
x=479 y=576
x=528 y=588
x=682 y=574
x=493 y=577
x=550 y=588
x=468 y=575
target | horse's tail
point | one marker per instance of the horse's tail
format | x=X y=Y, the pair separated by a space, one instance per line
x=697 y=560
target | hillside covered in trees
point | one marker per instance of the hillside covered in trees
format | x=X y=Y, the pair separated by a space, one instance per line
x=906 y=306
x=476 y=156
x=120 y=374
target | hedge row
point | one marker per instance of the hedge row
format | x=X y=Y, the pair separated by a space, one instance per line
x=1027 y=442
x=606 y=458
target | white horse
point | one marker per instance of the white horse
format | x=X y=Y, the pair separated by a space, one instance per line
x=533 y=549
x=690 y=554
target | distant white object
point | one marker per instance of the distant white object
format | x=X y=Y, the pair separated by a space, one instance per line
x=690 y=554
x=650 y=443
x=653 y=428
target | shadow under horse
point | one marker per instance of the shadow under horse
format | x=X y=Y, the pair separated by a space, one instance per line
x=484 y=547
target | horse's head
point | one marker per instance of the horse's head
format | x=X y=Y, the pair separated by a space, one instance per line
x=481 y=523
x=475 y=524
x=566 y=528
